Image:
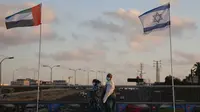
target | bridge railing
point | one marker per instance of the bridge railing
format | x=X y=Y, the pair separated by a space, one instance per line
x=135 y=94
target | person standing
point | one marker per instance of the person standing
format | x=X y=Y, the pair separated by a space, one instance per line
x=96 y=103
x=109 y=98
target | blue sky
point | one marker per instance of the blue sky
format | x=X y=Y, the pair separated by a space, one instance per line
x=100 y=35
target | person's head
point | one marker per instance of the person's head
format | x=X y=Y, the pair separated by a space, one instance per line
x=109 y=77
x=96 y=84
x=94 y=81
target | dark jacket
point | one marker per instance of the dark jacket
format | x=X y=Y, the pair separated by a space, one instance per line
x=96 y=103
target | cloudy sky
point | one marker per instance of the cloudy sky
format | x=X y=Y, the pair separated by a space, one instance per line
x=99 y=35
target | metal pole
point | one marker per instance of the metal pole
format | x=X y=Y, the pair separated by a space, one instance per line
x=102 y=77
x=13 y=75
x=88 y=77
x=39 y=55
x=34 y=75
x=96 y=74
x=0 y=72
x=171 y=60
x=74 y=77
x=51 y=77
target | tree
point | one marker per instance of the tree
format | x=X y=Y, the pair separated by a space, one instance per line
x=192 y=75
x=168 y=80
x=196 y=69
x=184 y=82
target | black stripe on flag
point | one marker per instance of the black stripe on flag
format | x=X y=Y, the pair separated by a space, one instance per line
x=21 y=23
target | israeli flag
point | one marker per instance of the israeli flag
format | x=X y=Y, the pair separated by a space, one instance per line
x=156 y=18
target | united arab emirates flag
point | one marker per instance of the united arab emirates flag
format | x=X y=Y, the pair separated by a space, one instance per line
x=25 y=18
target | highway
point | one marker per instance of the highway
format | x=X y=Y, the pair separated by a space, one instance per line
x=46 y=95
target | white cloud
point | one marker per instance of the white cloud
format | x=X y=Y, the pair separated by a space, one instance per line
x=181 y=58
x=185 y=58
x=131 y=28
x=80 y=54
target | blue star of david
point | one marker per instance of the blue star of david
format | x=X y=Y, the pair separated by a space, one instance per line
x=157 y=17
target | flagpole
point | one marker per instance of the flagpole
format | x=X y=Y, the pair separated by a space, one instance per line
x=39 y=56
x=171 y=62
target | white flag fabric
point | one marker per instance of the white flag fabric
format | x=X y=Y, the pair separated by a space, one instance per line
x=156 y=18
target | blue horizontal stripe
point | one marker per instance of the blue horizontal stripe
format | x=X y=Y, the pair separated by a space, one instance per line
x=158 y=26
x=163 y=7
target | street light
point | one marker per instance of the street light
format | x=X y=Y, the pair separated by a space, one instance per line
x=89 y=76
x=102 y=75
x=51 y=68
x=83 y=70
x=14 y=73
x=97 y=72
x=75 y=70
x=88 y=73
x=32 y=69
x=34 y=72
x=1 y=65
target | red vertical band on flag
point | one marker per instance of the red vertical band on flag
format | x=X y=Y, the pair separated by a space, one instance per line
x=36 y=11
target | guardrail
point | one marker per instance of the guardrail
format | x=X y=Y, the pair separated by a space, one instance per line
x=85 y=102
x=117 y=86
x=120 y=106
x=139 y=94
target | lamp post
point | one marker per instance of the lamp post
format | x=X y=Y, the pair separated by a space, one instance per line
x=75 y=70
x=1 y=66
x=34 y=72
x=14 y=71
x=102 y=72
x=83 y=70
x=89 y=76
x=69 y=78
x=97 y=74
x=88 y=73
x=14 y=74
x=51 y=68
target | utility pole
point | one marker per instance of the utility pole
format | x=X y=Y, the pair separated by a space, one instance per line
x=157 y=65
x=141 y=71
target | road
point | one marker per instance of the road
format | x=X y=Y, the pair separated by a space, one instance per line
x=45 y=95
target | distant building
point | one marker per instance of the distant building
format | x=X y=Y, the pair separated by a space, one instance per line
x=60 y=82
x=24 y=82
x=46 y=83
x=27 y=82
